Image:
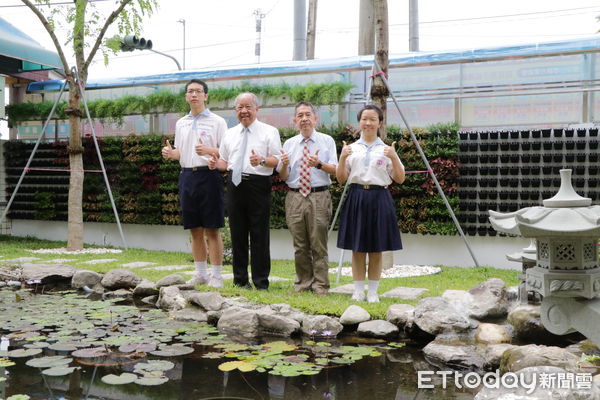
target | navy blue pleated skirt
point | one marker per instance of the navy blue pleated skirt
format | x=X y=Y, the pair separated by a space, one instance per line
x=368 y=223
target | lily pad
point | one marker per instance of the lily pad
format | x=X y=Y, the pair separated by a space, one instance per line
x=62 y=347
x=147 y=381
x=172 y=351
x=36 y=345
x=20 y=353
x=49 y=362
x=59 y=371
x=213 y=355
x=18 y=397
x=154 y=365
x=137 y=348
x=241 y=365
x=90 y=352
x=123 y=379
x=6 y=363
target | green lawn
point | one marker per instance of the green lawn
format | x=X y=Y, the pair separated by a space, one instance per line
x=449 y=278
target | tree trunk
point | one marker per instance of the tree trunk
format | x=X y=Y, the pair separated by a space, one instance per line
x=75 y=217
x=379 y=91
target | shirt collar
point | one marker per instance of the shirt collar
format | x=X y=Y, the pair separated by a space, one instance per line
x=204 y=113
x=377 y=142
x=311 y=138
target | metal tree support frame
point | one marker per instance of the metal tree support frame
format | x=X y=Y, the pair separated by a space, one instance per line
x=87 y=111
x=567 y=272
x=428 y=167
x=429 y=170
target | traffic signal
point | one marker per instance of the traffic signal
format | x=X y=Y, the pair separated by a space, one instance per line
x=132 y=42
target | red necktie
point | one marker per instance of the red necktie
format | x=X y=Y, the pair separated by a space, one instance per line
x=305 y=171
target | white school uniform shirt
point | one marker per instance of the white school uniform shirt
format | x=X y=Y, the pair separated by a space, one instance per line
x=294 y=148
x=367 y=165
x=189 y=129
x=263 y=139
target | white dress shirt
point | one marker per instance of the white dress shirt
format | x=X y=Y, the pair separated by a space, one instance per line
x=263 y=139
x=294 y=148
x=189 y=129
x=374 y=169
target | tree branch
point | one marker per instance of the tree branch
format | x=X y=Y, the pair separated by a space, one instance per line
x=107 y=23
x=48 y=28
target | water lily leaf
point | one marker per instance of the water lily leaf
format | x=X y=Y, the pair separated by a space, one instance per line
x=137 y=348
x=279 y=346
x=241 y=365
x=172 y=351
x=295 y=358
x=154 y=365
x=35 y=338
x=20 y=353
x=322 y=361
x=123 y=379
x=213 y=355
x=147 y=381
x=92 y=352
x=397 y=345
x=59 y=371
x=36 y=345
x=232 y=347
x=62 y=347
x=49 y=362
x=341 y=360
x=6 y=363
x=18 y=397
x=2 y=379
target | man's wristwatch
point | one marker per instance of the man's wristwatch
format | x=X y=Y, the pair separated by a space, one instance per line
x=262 y=162
x=319 y=165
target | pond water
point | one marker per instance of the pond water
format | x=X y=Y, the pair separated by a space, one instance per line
x=347 y=368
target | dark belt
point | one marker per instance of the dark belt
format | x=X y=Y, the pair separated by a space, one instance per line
x=194 y=169
x=251 y=177
x=367 y=187
x=312 y=189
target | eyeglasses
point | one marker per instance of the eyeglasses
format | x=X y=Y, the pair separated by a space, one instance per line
x=244 y=107
x=194 y=91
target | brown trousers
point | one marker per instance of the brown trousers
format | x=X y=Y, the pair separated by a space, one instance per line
x=307 y=220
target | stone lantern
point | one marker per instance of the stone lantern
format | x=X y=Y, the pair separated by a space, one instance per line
x=566 y=273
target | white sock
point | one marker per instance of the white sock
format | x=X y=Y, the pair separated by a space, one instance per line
x=216 y=270
x=373 y=286
x=200 y=268
x=359 y=286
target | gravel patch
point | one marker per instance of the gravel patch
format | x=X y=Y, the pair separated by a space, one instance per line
x=397 y=271
x=63 y=250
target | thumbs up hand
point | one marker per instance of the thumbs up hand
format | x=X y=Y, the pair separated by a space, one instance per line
x=346 y=150
x=167 y=150
x=313 y=159
x=201 y=148
x=212 y=163
x=254 y=158
x=390 y=151
x=285 y=160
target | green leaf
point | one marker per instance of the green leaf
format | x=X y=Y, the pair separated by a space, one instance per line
x=49 y=362
x=147 y=381
x=123 y=379
x=59 y=371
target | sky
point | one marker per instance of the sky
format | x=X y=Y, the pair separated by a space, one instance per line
x=223 y=32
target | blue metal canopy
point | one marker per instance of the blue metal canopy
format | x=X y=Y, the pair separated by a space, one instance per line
x=20 y=53
x=591 y=44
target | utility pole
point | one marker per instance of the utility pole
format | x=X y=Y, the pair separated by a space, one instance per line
x=299 y=30
x=413 y=25
x=366 y=28
x=182 y=21
x=311 y=31
x=259 y=16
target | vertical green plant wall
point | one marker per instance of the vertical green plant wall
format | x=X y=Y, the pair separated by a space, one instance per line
x=145 y=187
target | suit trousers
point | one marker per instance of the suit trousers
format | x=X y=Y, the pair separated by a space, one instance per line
x=307 y=219
x=249 y=207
